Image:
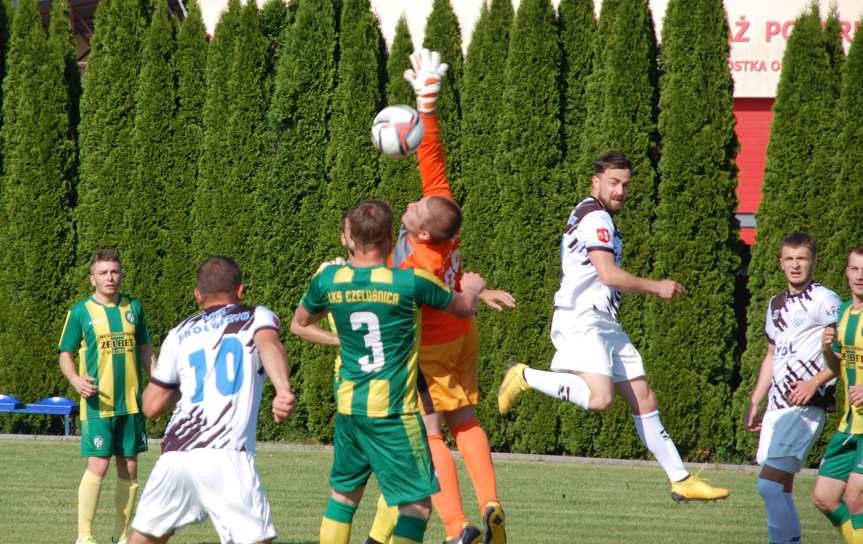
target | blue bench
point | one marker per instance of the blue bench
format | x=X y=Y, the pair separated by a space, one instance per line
x=52 y=406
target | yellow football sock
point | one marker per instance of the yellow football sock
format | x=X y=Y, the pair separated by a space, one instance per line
x=88 y=500
x=385 y=521
x=336 y=525
x=124 y=504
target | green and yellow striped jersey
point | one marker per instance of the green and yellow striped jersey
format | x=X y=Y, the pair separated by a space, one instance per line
x=375 y=313
x=849 y=344
x=108 y=338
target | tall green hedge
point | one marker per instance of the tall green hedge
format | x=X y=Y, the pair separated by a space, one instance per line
x=107 y=124
x=443 y=34
x=39 y=149
x=695 y=232
x=289 y=203
x=153 y=171
x=354 y=175
x=175 y=236
x=847 y=202
x=531 y=212
x=577 y=35
x=806 y=97
x=400 y=180
x=482 y=104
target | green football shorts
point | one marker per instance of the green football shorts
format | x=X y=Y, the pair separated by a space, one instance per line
x=124 y=435
x=843 y=455
x=395 y=448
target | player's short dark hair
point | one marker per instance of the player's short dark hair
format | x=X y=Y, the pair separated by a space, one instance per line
x=614 y=160
x=104 y=255
x=444 y=219
x=856 y=251
x=219 y=275
x=371 y=223
x=799 y=239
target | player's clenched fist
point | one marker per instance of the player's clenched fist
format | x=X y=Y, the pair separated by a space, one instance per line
x=827 y=338
x=668 y=289
x=425 y=78
x=283 y=405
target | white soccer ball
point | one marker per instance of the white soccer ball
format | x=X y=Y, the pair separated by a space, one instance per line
x=397 y=131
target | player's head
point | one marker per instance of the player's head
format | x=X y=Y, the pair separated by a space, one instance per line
x=854 y=273
x=367 y=227
x=797 y=258
x=105 y=272
x=220 y=281
x=612 y=172
x=433 y=218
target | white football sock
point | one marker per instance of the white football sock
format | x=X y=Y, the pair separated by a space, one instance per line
x=794 y=530
x=653 y=435
x=563 y=385
x=781 y=520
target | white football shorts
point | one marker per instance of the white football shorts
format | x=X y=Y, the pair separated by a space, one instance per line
x=188 y=486
x=589 y=341
x=789 y=432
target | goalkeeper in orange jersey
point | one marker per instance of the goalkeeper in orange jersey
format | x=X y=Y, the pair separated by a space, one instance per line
x=449 y=347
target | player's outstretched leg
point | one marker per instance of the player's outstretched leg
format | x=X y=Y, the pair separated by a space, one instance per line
x=519 y=377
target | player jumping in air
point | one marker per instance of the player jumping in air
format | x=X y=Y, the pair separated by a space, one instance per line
x=796 y=377
x=378 y=427
x=839 y=486
x=594 y=355
x=214 y=363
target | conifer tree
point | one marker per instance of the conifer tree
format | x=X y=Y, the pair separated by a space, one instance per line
x=179 y=257
x=528 y=157
x=289 y=203
x=40 y=157
x=482 y=101
x=107 y=124
x=353 y=172
x=806 y=97
x=216 y=154
x=155 y=171
x=400 y=180
x=443 y=34
x=695 y=230
x=847 y=203
x=577 y=24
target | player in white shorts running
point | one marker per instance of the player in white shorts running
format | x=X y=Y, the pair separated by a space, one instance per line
x=214 y=362
x=796 y=380
x=594 y=355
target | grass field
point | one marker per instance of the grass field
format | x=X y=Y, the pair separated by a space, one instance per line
x=552 y=503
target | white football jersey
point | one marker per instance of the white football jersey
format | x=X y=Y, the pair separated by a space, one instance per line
x=794 y=325
x=212 y=358
x=590 y=228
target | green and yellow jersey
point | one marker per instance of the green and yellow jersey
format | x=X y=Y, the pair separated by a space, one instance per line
x=108 y=339
x=849 y=344
x=375 y=314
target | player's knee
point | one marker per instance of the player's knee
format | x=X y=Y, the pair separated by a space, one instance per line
x=418 y=509
x=824 y=502
x=770 y=490
x=601 y=401
x=854 y=500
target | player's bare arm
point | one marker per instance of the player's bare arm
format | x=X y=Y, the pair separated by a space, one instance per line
x=496 y=299
x=158 y=399
x=276 y=365
x=803 y=391
x=82 y=384
x=615 y=277
x=463 y=305
x=149 y=354
x=314 y=333
x=830 y=357
x=762 y=385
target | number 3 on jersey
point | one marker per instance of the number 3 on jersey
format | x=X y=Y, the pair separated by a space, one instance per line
x=225 y=384
x=372 y=340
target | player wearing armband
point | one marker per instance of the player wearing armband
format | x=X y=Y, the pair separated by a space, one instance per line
x=796 y=380
x=378 y=427
x=838 y=489
x=214 y=363
x=594 y=355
